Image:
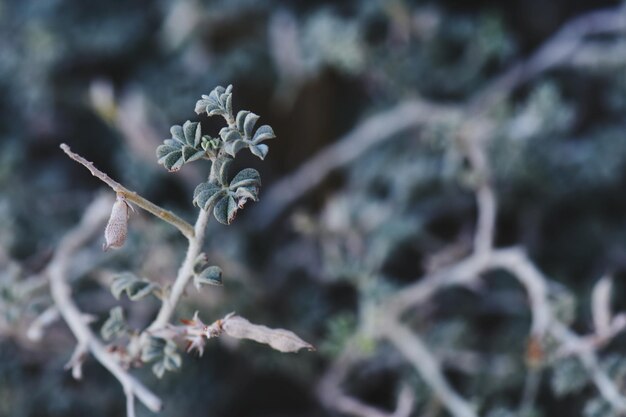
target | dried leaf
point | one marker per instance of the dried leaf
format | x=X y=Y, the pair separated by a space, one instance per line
x=279 y=339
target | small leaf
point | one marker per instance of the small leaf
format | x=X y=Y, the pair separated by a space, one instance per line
x=241 y=117
x=259 y=150
x=230 y=135
x=177 y=133
x=190 y=130
x=206 y=194
x=153 y=349
x=246 y=177
x=223 y=170
x=159 y=369
x=210 y=276
x=265 y=132
x=233 y=147
x=115 y=325
x=225 y=210
x=248 y=125
x=121 y=282
x=164 y=150
x=173 y=161
x=134 y=287
x=140 y=289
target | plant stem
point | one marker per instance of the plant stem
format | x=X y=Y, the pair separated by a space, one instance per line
x=185 y=228
x=184 y=273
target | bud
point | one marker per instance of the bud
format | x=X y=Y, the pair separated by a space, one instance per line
x=117 y=228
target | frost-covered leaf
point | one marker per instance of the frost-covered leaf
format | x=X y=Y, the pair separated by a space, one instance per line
x=265 y=132
x=207 y=194
x=115 y=325
x=260 y=150
x=218 y=102
x=241 y=117
x=134 y=287
x=246 y=178
x=209 y=276
x=225 y=210
x=184 y=146
x=164 y=353
x=222 y=174
x=248 y=124
x=279 y=339
x=232 y=148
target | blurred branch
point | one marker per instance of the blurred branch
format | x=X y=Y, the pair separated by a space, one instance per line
x=372 y=131
x=414 y=349
x=332 y=396
x=410 y=114
x=185 y=228
x=92 y=222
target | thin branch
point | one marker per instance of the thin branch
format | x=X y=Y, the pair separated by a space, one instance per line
x=185 y=228
x=184 y=273
x=370 y=132
x=602 y=381
x=332 y=396
x=61 y=292
x=414 y=349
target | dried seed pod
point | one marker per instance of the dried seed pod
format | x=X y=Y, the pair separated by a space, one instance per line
x=117 y=228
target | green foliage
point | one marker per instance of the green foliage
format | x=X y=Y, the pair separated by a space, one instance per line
x=228 y=198
x=115 y=326
x=134 y=287
x=183 y=147
x=164 y=355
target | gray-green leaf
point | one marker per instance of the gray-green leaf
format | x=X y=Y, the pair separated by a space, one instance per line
x=209 y=276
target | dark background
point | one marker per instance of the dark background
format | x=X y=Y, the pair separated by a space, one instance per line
x=109 y=78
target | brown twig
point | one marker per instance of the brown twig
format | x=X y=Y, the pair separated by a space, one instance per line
x=185 y=228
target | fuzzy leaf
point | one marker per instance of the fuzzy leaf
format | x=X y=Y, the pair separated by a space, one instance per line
x=245 y=178
x=192 y=131
x=153 y=349
x=210 y=276
x=223 y=170
x=265 y=132
x=279 y=339
x=230 y=135
x=177 y=133
x=134 y=287
x=248 y=124
x=172 y=161
x=241 y=117
x=259 y=150
x=233 y=147
x=225 y=210
x=206 y=194
x=191 y=154
x=115 y=325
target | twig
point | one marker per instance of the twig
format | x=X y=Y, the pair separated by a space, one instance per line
x=91 y=223
x=332 y=396
x=346 y=149
x=184 y=273
x=37 y=326
x=412 y=347
x=185 y=228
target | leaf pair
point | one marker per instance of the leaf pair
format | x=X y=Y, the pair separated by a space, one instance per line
x=135 y=288
x=164 y=353
x=205 y=274
x=244 y=135
x=218 y=102
x=226 y=200
x=184 y=146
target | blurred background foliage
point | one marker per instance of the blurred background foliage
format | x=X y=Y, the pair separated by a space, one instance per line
x=110 y=77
